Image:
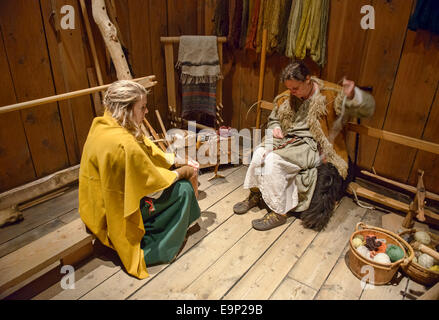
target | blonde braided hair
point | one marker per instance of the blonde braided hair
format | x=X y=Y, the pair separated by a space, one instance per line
x=120 y=99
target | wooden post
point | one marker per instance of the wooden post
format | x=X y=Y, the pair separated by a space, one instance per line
x=261 y=77
x=155 y=135
x=109 y=33
x=91 y=42
x=170 y=77
x=162 y=126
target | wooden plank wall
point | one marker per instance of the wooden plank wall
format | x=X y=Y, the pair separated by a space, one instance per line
x=39 y=59
x=402 y=67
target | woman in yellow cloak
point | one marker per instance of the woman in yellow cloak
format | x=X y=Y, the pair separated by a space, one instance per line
x=128 y=195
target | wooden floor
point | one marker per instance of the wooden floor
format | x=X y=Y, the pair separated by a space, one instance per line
x=223 y=258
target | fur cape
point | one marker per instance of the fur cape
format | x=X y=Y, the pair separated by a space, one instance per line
x=324 y=109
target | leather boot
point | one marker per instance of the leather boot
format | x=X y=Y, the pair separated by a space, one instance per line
x=252 y=201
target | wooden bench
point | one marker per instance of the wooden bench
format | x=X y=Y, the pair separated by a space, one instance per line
x=65 y=246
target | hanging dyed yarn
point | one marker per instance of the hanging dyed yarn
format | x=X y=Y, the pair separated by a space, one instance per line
x=283 y=23
x=300 y=51
x=235 y=22
x=293 y=28
x=426 y=16
x=253 y=28
x=244 y=23
x=221 y=18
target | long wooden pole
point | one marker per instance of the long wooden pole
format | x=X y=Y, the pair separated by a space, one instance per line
x=91 y=41
x=261 y=77
x=147 y=82
x=177 y=39
x=429 y=195
x=394 y=137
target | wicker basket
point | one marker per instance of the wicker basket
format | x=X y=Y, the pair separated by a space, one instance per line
x=383 y=273
x=418 y=273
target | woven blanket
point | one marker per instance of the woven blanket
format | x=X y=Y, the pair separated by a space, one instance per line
x=198 y=59
x=199 y=98
x=200 y=70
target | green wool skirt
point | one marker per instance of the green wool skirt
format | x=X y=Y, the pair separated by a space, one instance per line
x=166 y=221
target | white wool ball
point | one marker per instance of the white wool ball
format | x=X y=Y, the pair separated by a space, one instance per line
x=423 y=237
x=425 y=260
x=364 y=251
x=382 y=258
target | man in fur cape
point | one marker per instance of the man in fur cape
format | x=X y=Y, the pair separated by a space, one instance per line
x=304 y=166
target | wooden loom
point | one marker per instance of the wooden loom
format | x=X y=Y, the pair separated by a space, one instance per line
x=171 y=90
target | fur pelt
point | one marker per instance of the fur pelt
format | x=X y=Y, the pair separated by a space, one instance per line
x=330 y=188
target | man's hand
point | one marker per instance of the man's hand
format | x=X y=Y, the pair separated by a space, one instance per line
x=349 y=88
x=277 y=133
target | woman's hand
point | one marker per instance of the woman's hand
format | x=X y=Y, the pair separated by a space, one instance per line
x=185 y=172
x=277 y=133
x=349 y=88
x=194 y=164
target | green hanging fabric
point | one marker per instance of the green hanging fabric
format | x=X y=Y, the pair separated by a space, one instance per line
x=283 y=25
x=293 y=27
x=320 y=57
x=312 y=40
x=305 y=22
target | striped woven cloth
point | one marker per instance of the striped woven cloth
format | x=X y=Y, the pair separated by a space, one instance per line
x=200 y=71
x=199 y=98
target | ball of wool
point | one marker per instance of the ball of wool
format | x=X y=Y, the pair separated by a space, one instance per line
x=417 y=253
x=415 y=260
x=356 y=242
x=394 y=252
x=360 y=236
x=364 y=251
x=382 y=258
x=423 y=237
x=425 y=260
x=435 y=268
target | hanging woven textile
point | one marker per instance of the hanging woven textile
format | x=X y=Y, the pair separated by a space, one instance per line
x=426 y=16
x=200 y=70
x=313 y=30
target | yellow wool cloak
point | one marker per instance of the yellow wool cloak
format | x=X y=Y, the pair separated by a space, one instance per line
x=116 y=172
